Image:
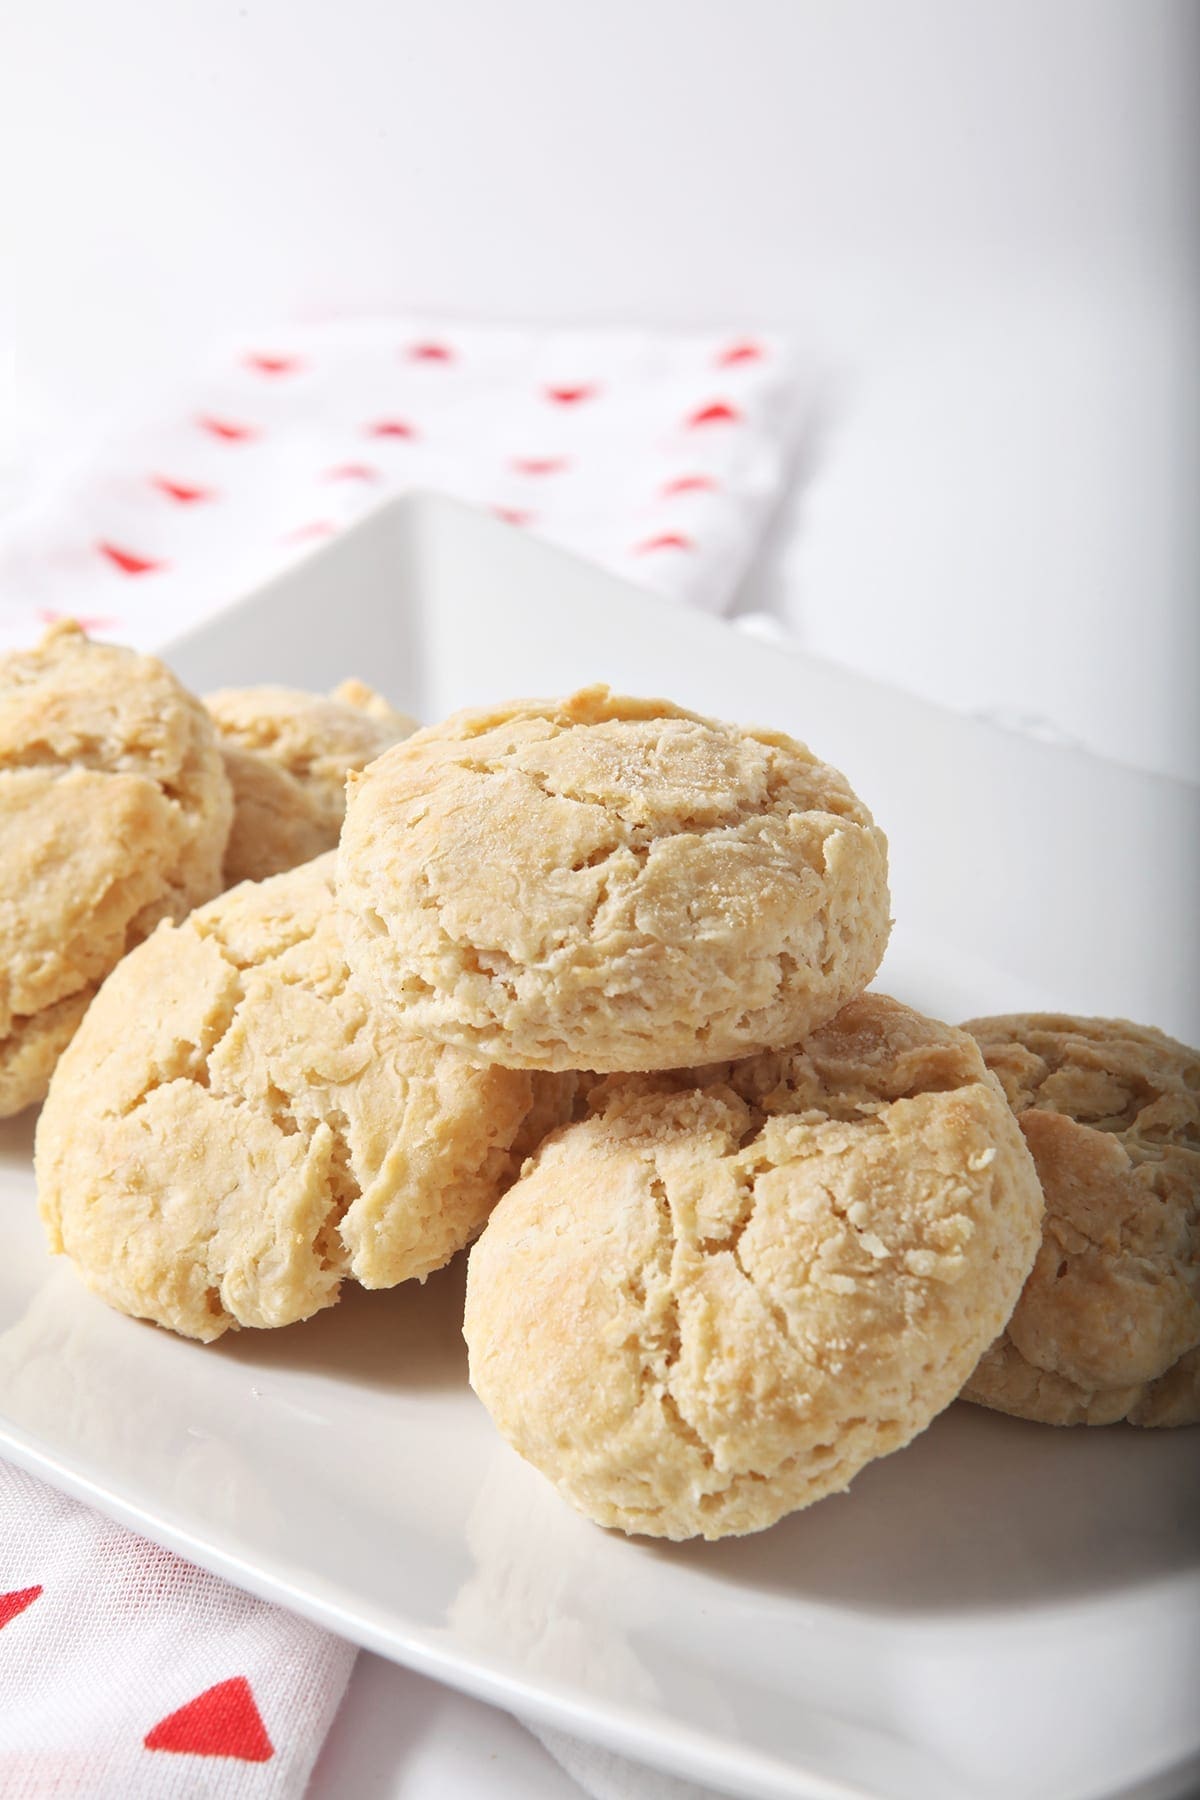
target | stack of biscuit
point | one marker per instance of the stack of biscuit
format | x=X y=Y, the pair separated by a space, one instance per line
x=584 y=981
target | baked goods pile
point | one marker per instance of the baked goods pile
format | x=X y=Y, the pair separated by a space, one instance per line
x=583 y=981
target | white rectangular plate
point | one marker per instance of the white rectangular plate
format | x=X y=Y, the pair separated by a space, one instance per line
x=999 y=1610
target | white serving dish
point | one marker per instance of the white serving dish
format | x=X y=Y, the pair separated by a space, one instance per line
x=999 y=1610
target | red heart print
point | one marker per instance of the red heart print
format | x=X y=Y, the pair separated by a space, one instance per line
x=540 y=465
x=746 y=351
x=513 y=515
x=316 y=528
x=265 y=363
x=15 y=1602
x=435 y=353
x=87 y=622
x=392 y=428
x=665 y=540
x=688 y=484
x=571 y=396
x=182 y=491
x=228 y=430
x=128 y=561
x=353 y=471
x=222 y=1721
x=717 y=412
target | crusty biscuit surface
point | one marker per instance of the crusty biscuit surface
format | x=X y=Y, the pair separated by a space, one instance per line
x=114 y=811
x=287 y=754
x=716 y=1298
x=609 y=883
x=234 y=1128
x=1108 y=1325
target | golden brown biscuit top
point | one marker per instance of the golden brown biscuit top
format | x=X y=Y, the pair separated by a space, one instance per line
x=315 y=736
x=114 y=809
x=1110 y=1314
x=656 y=768
x=1108 y=1074
x=287 y=754
x=610 y=882
x=72 y=703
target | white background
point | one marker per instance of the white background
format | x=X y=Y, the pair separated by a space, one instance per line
x=981 y=216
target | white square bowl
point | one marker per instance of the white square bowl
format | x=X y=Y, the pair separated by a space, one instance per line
x=999 y=1610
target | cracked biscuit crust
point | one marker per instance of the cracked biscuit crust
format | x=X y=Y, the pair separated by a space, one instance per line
x=114 y=811
x=287 y=754
x=714 y=1300
x=609 y=883
x=234 y=1128
x=1108 y=1325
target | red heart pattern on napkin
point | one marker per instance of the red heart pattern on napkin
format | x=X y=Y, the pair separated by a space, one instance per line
x=588 y=438
x=222 y=1721
x=15 y=1602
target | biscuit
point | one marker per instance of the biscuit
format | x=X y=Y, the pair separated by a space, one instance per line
x=234 y=1128
x=288 y=754
x=114 y=810
x=609 y=883
x=715 y=1299
x=1108 y=1324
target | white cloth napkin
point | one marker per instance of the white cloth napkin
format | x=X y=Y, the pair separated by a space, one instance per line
x=659 y=455
x=123 y=1671
x=606 y=1776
